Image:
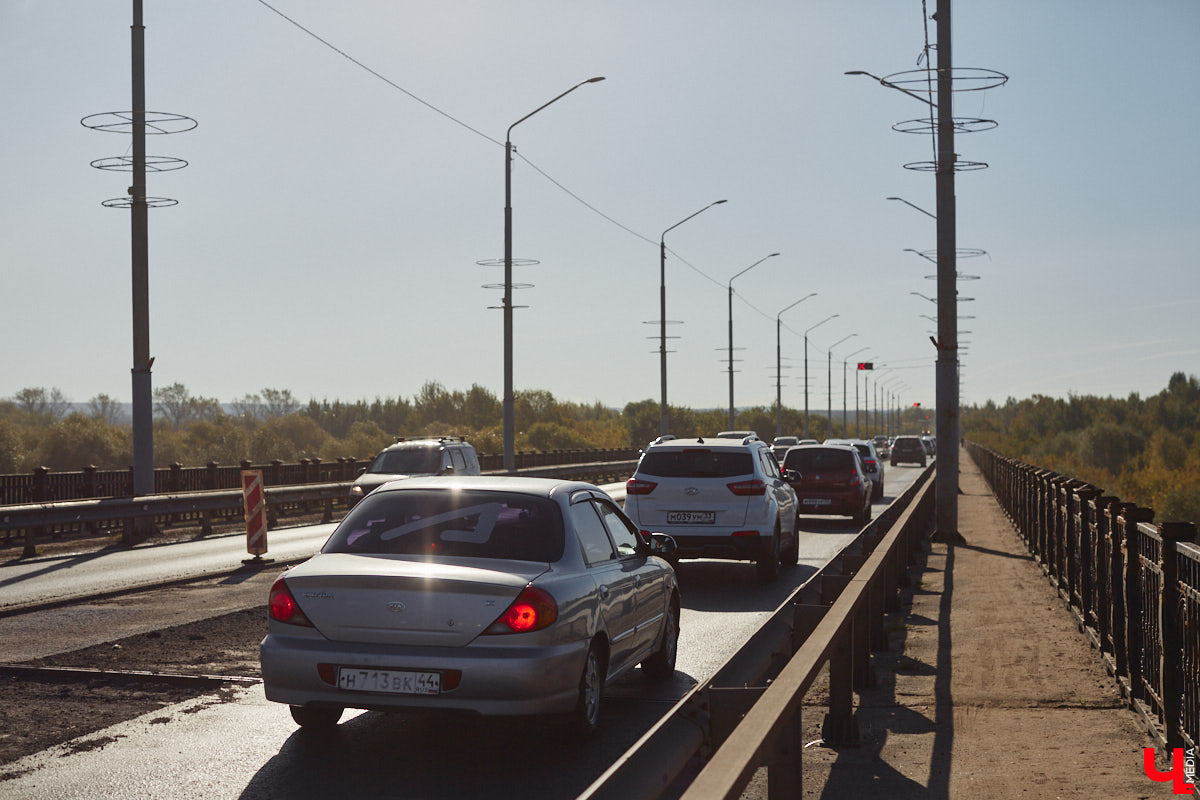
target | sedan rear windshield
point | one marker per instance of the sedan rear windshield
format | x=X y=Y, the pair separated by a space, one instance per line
x=408 y=461
x=469 y=524
x=696 y=463
x=819 y=459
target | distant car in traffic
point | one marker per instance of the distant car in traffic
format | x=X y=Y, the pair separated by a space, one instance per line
x=882 y=446
x=829 y=480
x=409 y=458
x=872 y=463
x=780 y=445
x=908 y=449
x=491 y=595
x=717 y=498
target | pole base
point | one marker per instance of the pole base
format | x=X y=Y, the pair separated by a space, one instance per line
x=257 y=561
x=948 y=537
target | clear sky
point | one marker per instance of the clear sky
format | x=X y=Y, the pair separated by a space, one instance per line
x=329 y=225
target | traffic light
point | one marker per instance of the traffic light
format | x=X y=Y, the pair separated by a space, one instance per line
x=916 y=405
x=866 y=365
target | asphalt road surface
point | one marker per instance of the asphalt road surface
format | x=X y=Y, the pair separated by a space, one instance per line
x=250 y=748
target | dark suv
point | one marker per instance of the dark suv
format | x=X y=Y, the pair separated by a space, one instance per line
x=909 y=449
x=829 y=479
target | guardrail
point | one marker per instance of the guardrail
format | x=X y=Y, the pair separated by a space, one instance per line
x=128 y=516
x=1133 y=586
x=748 y=714
x=44 y=485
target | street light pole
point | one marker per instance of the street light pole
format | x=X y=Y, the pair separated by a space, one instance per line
x=845 y=423
x=829 y=382
x=662 y=313
x=779 y=366
x=822 y=322
x=509 y=452
x=743 y=272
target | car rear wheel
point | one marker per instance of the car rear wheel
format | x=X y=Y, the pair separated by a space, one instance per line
x=877 y=494
x=660 y=665
x=768 y=562
x=316 y=718
x=790 y=555
x=584 y=721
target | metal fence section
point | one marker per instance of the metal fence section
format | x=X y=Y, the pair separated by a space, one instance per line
x=43 y=485
x=748 y=714
x=1133 y=585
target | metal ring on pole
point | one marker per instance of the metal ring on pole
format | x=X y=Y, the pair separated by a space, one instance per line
x=151 y=202
x=962 y=79
x=961 y=125
x=157 y=122
x=500 y=286
x=962 y=276
x=961 y=252
x=516 y=262
x=153 y=163
x=959 y=166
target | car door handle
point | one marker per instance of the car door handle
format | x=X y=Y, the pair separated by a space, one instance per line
x=603 y=592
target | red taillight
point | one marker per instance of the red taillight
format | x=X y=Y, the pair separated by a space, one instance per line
x=533 y=610
x=745 y=533
x=639 y=486
x=748 y=488
x=283 y=607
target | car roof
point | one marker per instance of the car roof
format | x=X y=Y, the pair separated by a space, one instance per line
x=710 y=442
x=540 y=487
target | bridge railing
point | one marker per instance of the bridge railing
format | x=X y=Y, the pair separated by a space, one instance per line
x=44 y=485
x=1133 y=585
x=748 y=714
x=132 y=518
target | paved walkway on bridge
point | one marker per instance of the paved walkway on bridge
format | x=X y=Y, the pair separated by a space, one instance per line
x=989 y=689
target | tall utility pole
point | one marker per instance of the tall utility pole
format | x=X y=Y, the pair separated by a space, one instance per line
x=946 y=490
x=143 y=401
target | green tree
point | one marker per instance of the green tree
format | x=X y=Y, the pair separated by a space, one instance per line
x=289 y=438
x=106 y=409
x=177 y=405
x=78 y=440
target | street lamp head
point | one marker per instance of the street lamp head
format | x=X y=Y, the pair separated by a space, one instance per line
x=595 y=80
x=717 y=203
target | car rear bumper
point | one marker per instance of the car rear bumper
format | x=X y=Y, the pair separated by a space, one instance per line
x=845 y=505
x=496 y=680
x=710 y=544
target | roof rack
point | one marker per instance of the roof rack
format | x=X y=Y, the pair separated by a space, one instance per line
x=400 y=439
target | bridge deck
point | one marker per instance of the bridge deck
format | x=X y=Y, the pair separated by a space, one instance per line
x=988 y=690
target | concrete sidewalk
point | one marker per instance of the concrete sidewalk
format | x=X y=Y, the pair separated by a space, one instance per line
x=989 y=688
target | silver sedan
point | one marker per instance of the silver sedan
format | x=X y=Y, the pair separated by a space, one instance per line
x=498 y=596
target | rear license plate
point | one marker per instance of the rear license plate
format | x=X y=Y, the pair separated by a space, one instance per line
x=389 y=680
x=691 y=517
x=816 y=501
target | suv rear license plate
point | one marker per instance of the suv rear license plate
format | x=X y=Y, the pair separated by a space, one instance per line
x=691 y=517
x=390 y=681
x=816 y=501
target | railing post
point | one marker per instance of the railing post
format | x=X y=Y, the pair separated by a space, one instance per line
x=1081 y=554
x=276 y=472
x=840 y=728
x=1171 y=663
x=1134 y=630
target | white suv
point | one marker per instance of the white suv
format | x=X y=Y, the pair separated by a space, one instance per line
x=409 y=458
x=718 y=498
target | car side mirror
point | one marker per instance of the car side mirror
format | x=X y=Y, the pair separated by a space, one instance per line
x=662 y=545
x=362 y=470
x=791 y=475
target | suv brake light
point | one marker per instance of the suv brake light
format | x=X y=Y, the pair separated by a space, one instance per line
x=639 y=486
x=748 y=488
x=533 y=610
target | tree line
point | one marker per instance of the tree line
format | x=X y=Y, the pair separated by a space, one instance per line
x=41 y=427
x=1142 y=450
